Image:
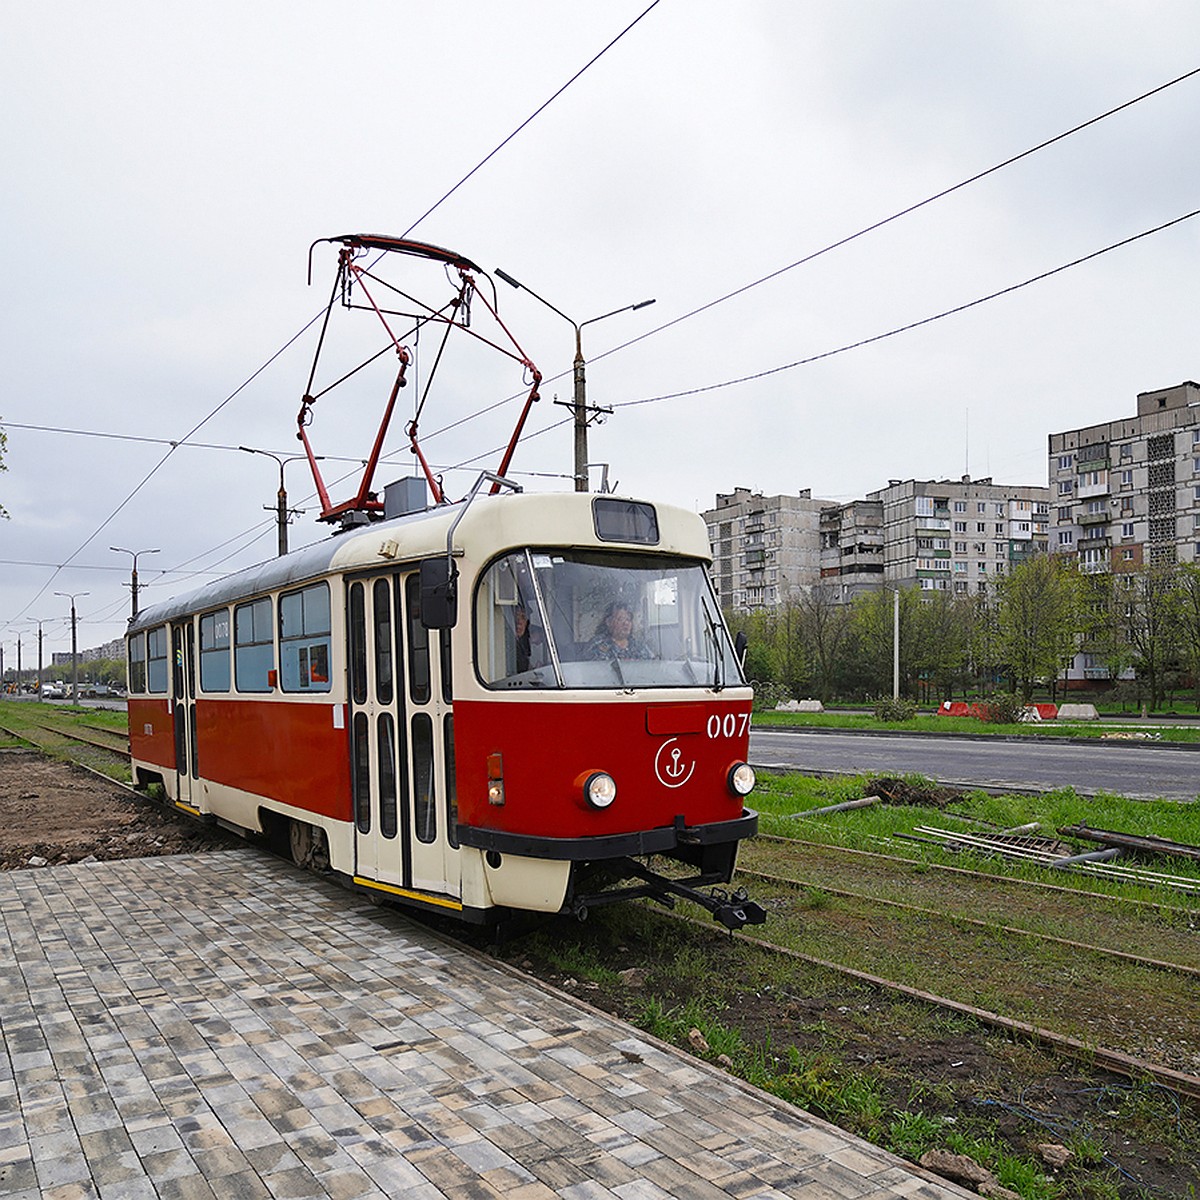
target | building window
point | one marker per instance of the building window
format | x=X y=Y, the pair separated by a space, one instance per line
x=960 y=547
x=1000 y=527
x=1127 y=479
x=980 y=527
x=1066 y=537
x=1127 y=529
x=981 y=568
x=1127 y=450
x=1127 y=555
x=1001 y=549
x=960 y=527
x=924 y=506
x=1064 y=515
x=981 y=507
x=960 y=566
x=1065 y=461
x=1065 y=487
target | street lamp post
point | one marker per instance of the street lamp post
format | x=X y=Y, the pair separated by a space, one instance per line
x=579 y=403
x=281 y=503
x=133 y=584
x=74 y=651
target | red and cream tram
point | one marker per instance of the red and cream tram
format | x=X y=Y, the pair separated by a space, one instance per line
x=508 y=703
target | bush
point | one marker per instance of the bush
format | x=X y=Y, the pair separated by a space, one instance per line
x=768 y=696
x=895 y=710
x=1002 y=709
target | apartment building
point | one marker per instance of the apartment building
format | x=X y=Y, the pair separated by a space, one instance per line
x=765 y=548
x=959 y=535
x=1126 y=493
x=852 y=549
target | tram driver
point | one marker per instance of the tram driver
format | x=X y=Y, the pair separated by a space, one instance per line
x=614 y=637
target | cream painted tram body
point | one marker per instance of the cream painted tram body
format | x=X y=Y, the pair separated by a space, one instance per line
x=496 y=761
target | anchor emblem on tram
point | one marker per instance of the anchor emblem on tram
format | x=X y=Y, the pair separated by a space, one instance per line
x=672 y=769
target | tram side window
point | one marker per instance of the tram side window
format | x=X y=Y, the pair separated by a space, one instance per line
x=157 y=660
x=137 y=663
x=214 y=651
x=304 y=639
x=253 y=646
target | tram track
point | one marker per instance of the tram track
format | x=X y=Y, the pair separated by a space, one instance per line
x=1130 y=1066
x=1038 y=960
x=96 y=738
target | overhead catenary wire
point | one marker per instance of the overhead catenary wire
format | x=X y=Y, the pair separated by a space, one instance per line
x=173 y=446
x=846 y=240
x=911 y=325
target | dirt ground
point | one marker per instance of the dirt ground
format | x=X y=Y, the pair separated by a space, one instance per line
x=52 y=813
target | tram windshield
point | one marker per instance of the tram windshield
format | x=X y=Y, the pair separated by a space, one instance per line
x=597 y=619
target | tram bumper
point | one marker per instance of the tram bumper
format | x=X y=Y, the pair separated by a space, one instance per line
x=678 y=839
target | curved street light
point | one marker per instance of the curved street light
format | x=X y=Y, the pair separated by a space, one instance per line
x=74 y=653
x=281 y=504
x=133 y=584
x=579 y=404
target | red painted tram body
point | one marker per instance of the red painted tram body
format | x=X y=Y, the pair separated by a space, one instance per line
x=511 y=756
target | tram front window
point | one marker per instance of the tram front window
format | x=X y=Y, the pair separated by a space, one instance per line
x=599 y=619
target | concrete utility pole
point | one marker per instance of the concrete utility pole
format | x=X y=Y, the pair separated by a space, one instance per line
x=282 y=513
x=896 y=644
x=579 y=404
x=133 y=585
x=74 y=652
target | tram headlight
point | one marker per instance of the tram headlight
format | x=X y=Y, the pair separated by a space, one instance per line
x=599 y=790
x=740 y=779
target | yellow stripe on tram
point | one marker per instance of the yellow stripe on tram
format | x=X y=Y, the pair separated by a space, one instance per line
x=188 y=808
x=424 y=897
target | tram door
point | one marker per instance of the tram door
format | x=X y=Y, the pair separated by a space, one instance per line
x=183 y=695
x=402 y=739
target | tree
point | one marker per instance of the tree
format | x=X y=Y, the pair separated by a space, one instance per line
x=1152 y=603
x=1188 y=617
x=1038 y=618
x=824 y=625
x=1105 y=622
x=942 y=633
x=872 y=619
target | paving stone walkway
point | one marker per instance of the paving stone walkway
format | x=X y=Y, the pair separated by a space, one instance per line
x=220 y=1025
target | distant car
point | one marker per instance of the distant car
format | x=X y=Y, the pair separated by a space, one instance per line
x=53 y=691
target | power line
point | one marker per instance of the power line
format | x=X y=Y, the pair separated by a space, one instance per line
x=879 y=337
x=173 y=446
x=533 y=116
x=947 y=191
x=904 y=212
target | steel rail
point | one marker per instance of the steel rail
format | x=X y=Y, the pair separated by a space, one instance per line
x=992 y=877
x=119 y=744
x=1111 y=1060
x=1135 y=959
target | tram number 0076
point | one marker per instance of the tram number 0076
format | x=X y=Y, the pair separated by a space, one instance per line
x=729 y=725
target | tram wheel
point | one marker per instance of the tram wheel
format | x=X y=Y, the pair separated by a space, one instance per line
x=308 y=846
x=300 y=842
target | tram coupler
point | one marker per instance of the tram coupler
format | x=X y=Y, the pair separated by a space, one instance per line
x=733 y=909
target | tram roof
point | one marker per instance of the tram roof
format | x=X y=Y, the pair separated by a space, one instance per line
x=490 y=525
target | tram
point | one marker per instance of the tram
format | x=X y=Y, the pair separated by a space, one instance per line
x=510 y=703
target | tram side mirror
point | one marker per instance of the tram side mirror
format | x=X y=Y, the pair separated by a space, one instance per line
x=739 y=646
x=439 y=593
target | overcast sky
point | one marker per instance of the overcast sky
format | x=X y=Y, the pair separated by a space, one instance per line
x=166 y=167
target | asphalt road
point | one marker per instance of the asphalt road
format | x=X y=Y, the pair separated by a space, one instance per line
x=1124 y=768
